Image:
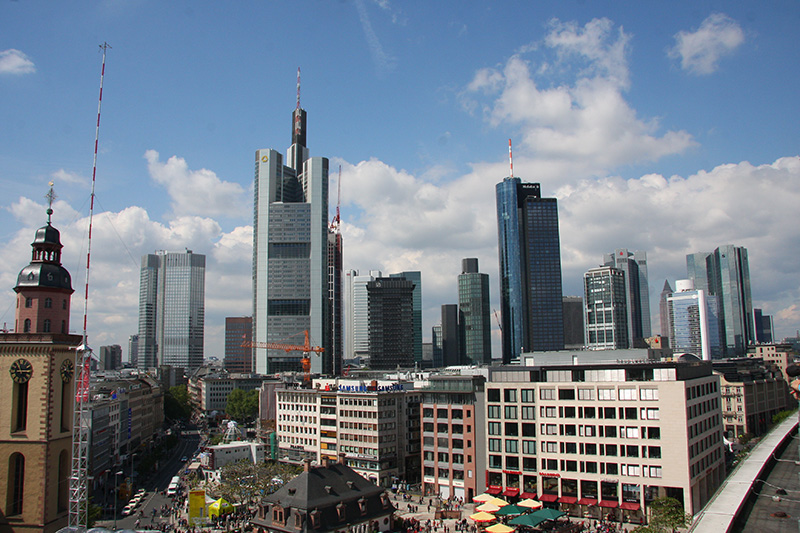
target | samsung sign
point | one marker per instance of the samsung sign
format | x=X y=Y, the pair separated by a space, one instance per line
x=368 y=388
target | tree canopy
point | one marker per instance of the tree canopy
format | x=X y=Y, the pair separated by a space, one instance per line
x=242 y=481
x=176 y=403
x=242 y=406
x=666 y=515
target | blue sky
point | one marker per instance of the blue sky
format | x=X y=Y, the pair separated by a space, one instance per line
x=667 y=127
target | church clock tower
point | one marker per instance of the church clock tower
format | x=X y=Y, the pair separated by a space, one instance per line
x=37 y=384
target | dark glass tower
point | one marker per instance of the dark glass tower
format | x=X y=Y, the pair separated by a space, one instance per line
x=530 y=269
x=391 y=326
x=474 y=314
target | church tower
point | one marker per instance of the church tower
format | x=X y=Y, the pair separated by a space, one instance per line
x=37 y=383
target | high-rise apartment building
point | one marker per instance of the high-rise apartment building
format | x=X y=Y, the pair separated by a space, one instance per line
x=358 y=312
x=606 y=313
x=474 y=314
x=693 y=321
x=238 y=332
x=725 y=273
x=172 y=310
x=637 y=292
x=415 y=276
x=291 y=281
x=530 y=269
x=391 y=327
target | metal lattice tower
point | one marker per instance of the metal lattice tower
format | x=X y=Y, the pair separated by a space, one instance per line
x=81 y=414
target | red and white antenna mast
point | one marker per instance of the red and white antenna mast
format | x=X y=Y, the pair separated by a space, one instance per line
x=510 y=159
x=81 y=418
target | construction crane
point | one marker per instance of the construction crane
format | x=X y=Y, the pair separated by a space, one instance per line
x=497 y=318
x=305 y=348
x=337 y=220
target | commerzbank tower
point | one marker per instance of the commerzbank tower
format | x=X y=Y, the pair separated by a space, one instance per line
x=291 y=290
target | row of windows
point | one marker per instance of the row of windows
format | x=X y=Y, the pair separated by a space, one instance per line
x=588 y=467
x=48 y=303
x=583 y=393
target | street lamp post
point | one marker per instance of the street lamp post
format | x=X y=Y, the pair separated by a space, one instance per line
x=116 y=478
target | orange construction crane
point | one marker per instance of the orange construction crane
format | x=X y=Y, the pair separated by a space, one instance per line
x=305 y=348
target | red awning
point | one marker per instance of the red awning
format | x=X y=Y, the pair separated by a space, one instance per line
x=527 y=495
x=629 y=506
x=587 y=501
x=547 y=497
x=609 y=504
x=510 y=492
x=494 y=491
x=567 y=499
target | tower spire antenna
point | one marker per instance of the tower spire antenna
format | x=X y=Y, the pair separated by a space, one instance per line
x=51 y=195
x=298 y=87
x=510 y=159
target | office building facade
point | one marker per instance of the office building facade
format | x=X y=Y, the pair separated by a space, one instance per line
x=693 y=322
x=172 y=310
x=530 y=269
x=374 y=425
x=415 y=276
x=725 y=273
x=451 y=336
x=607 y=438
x=111 y=357
x=290 y=253
x=663 y=311
x=453 y=461
x=357 y=323
x=391 y=325
x=574 y=327
x=606 y=313
x=333 y=361
x=238 y=334
x=637 y=292
x=474 y=314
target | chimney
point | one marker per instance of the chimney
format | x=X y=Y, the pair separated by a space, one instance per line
x=342 y=458
x=306 y=465
x=326 y=461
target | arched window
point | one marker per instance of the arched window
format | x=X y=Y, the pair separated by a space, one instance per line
x=63 y=326
x=46 y=326
x=64 y=304
x=16 y=483
x=48 y=303
x=28 y=302
x=20 y=407
x=27 y=327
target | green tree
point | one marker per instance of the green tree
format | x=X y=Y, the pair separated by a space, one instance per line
x=243 y=481
x=242 y=406
x=176 y=403
x=666 y=515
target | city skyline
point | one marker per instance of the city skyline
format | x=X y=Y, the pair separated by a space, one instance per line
x=623 y=115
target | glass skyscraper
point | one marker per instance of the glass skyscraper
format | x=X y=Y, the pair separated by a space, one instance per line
x=530 y=269
x=606 y=310
x=693 y=321
x=637 y=293
x=725 y=274
x=172 y=310
x=474 y=314
x=415 y=276
x=291 y=284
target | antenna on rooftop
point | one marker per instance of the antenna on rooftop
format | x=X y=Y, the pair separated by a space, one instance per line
x=510 y=159
x=298 y=87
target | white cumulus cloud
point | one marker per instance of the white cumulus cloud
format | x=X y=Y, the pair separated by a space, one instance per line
x=700 y=51
x=195 y=191
x=15 y=62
